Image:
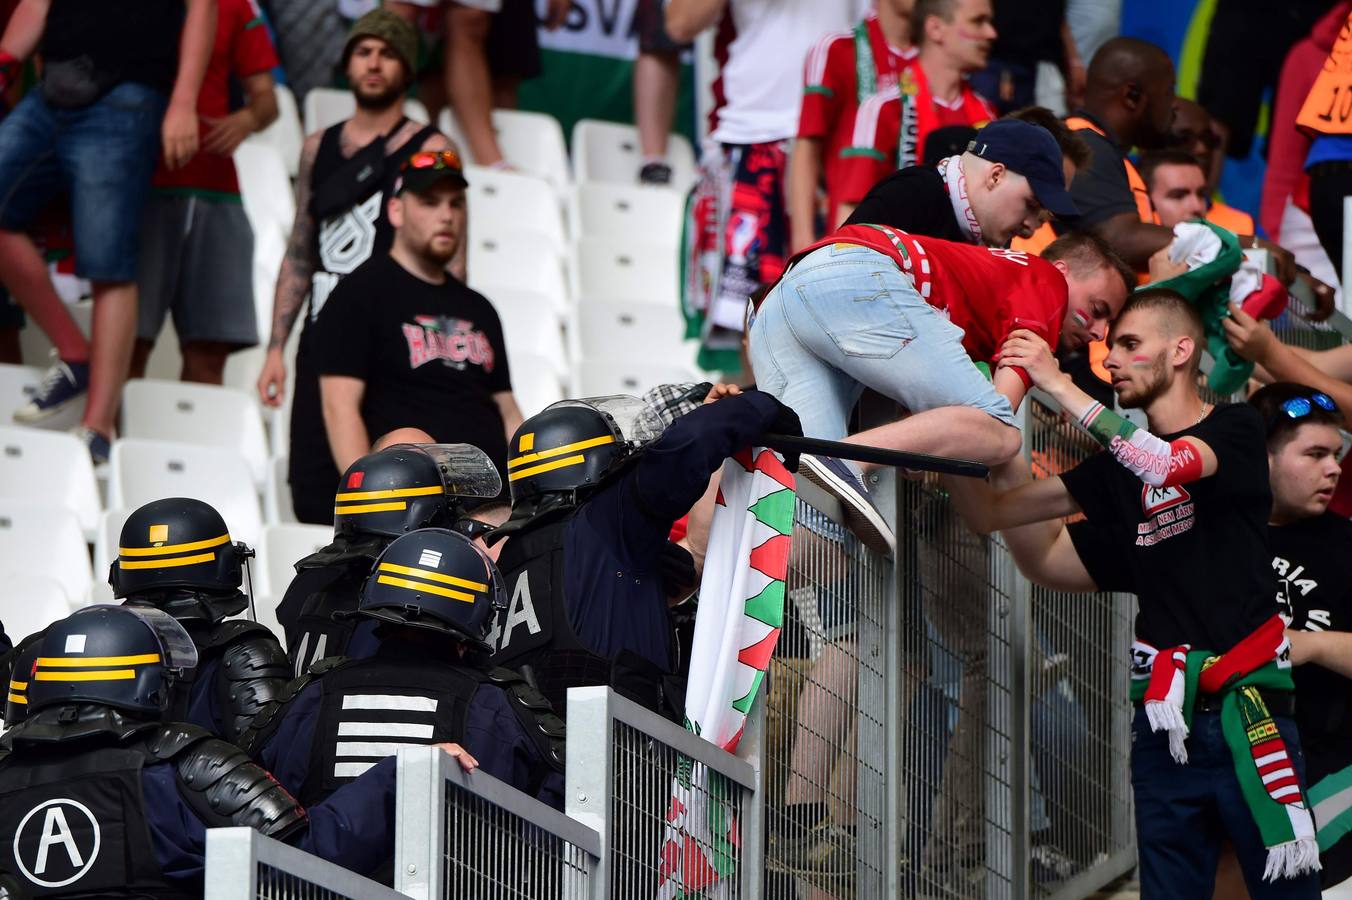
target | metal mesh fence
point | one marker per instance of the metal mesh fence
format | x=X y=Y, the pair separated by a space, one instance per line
x=242 y=864
x=493 y=853
x=825 y=766
x=279 y=884
x=643 y=775
x=1080 y=798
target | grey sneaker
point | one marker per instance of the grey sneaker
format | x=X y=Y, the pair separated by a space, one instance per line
x=655 y=173
x=63 y=385
x=823 y=851
x=839 y=480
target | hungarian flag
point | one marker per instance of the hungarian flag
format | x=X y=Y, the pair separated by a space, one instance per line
x=741 y=610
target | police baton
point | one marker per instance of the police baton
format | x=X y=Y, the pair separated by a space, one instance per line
x=881 y=456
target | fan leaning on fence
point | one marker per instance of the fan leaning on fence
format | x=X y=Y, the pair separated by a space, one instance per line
x=1178 y=516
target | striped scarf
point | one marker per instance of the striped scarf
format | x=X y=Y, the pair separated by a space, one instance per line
x=1168 y=681
x=956 y=181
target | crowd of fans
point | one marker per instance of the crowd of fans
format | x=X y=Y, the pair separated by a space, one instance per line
x=881 y=207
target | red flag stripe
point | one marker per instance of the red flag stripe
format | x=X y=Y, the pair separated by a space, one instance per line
x=772 y=557
x=757 y=656
x=768 y=463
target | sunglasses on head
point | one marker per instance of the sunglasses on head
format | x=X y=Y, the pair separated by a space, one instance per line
x=1299 y=407
x=433 y=159
x=471 y=528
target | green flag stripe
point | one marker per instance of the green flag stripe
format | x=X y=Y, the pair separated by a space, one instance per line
x=775 y=510
x=768 y=605
x=743 y=705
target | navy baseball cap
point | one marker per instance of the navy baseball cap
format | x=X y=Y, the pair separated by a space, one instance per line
x=1031 y=151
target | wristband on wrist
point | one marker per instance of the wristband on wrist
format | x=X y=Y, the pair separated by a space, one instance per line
x=1156 y=462
x=10 y=68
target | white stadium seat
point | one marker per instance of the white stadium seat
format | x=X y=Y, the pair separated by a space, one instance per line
x=535 y=383
x=630 y=270
x=623 y=211
x=329 y=106
x=32 y=602
x=597 y=378
x=41 y=539
x=503 y=202
x=50 y=467
x=17 y=385
x=520 y=261
x=281 y=548
x=277 y=507
x=265 y=188
x=531 y=326
x=143 y=470
x=533 y=142
x=205 y=414
x=285 y=134
x=610 y=330
x=609 y=152
x=106 y=543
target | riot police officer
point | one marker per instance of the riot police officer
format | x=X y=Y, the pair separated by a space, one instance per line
x=176 y=555
x=381 y=496
x=432 y=596
x=100 y=796
x=591 y=511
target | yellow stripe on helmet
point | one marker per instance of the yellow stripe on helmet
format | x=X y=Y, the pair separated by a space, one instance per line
x=426 y=588
x=370 y=508
x=171 y=549
x=15 y=698
x=432 y=576
x=560 y=451
x=18 y=685
x=167 y=563
x=90 y=662
x=548 y=467
x=102 y=675
x=389 y=494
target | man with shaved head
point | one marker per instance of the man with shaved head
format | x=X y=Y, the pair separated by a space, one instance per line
x=1176 y=514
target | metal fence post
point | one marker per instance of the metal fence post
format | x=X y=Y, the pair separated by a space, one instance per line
x=420 y=831
x=894 y=801
x=230 y=862
x=1020 y=593
x=752 y=749
x=587 y=783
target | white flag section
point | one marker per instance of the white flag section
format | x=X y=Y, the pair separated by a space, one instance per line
x=741 y=610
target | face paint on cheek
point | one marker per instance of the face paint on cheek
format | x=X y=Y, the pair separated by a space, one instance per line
x=1140 y=361
x=1079 y=316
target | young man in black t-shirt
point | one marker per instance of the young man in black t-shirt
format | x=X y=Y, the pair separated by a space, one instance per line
x=1178 y=516
x=404 y=344
x=1312 y=559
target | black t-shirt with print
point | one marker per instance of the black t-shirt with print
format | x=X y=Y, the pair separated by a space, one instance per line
x=135 y=41
x=1312 y=560
x=1195 y=555
x=432 y=355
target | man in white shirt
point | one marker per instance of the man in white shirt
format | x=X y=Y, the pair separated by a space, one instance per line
x=738 y=236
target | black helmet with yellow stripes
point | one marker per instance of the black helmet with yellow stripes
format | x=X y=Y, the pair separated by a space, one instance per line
x=409 y=486
x=572 y=446
x=435 y=579
x=119 y=656
x=179 y=547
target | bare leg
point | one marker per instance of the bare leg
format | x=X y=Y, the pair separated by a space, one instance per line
x=25 y=274
x=505 y=91
x=964 y=432
x=468 y=82
x=204 y=362
x=140 y=356
x=824 y=720
x=656 y=80
x=114 y=332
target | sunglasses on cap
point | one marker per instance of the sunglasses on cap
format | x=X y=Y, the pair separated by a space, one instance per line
x=471 y=528
x=432 y=159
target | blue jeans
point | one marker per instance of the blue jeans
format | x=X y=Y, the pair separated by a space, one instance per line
x=845 y=318
x=101 y=156
x=1185 y=812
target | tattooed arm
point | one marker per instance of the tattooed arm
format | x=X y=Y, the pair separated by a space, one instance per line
x=293 y=282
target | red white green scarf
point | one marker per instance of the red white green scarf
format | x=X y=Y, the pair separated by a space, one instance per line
x=955 y=179
x=1168 y=681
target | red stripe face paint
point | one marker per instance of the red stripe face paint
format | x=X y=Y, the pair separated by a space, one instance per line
x=1080 y=317
x=1140 y=361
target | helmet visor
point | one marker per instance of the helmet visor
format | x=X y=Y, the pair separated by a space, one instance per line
x=176 y=646
x=466 y=471
x=631 y=416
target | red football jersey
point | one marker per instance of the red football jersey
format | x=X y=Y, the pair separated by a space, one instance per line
x=877 y=146
x=988 y=292
x=832 y=93
x=242 y=48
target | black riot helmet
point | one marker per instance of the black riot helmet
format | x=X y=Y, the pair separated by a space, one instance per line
x=573 y=445
x=439 y=580
x=119 y=656
x=177 y=554
x=410 y=486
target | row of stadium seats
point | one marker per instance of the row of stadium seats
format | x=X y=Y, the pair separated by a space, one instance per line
x=532 y=142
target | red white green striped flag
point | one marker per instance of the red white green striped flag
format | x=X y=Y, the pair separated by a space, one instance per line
x=741 y=611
